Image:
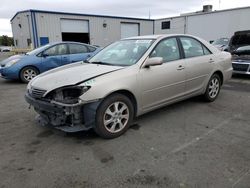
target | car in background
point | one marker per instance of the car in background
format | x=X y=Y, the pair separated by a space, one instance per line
x=5 y=49
x=126 y=79
x=241 y=60
x=239 y=39
x=26 y=67
x=221 y=43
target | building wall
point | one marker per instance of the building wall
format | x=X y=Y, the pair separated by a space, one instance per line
x=218 y=24
x=49 y=25
x=21 y=34
x=209 y=26
x=176 y=26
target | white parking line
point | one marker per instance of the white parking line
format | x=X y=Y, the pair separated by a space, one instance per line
x=246 y=81
x=203 y=135
x=195 y=140
x=240 y=178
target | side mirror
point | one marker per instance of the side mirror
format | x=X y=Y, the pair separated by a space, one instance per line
x=45 y=54
x=153 y=61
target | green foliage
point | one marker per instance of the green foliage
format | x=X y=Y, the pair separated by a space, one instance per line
x=6 y=41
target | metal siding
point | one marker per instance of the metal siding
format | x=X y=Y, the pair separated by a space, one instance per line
x=48 y=25
x=23 y=33
x=209 y=26
x=176 y=26
x=219 y=24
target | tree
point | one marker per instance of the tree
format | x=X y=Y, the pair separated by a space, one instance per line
x=6 y=41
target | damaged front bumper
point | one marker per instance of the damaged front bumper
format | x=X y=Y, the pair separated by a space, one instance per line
x=66 y=117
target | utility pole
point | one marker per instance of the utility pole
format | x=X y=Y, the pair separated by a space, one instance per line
x=219 y=3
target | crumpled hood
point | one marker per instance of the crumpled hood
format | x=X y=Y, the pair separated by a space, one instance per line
x=2 y=63
x=70 y=75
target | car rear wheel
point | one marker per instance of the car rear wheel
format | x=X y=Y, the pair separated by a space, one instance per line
x=213 y=88
x=28 y=73
x=114 y=116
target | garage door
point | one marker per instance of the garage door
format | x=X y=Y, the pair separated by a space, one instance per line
x=74 y=26
x=75 y=30
x=129 y=30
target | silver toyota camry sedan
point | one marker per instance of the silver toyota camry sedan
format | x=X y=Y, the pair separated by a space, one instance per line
x=126 y=79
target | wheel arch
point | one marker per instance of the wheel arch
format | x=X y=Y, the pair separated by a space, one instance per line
x=19 y=74
x=220 y=74
x=128 y=94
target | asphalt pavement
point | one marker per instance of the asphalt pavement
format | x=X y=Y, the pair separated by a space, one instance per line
x=188 y=144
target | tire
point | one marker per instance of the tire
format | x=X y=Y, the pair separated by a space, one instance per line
x=114 y=116
x=28 y=73
x=213 y=88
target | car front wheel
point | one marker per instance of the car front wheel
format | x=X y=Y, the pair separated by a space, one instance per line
x=114 y=116
x=28 y=73
x=213 y=88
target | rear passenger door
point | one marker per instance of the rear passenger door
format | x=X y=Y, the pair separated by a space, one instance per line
x=78 y=52
x=198 y=63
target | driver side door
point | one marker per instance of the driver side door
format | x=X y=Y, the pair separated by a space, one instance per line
x=163 y=83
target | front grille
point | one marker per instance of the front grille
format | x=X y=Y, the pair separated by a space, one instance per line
x=37 y=93
x=240 y=67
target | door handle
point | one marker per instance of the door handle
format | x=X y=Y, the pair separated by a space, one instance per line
x=180 y=67
x=210 y=61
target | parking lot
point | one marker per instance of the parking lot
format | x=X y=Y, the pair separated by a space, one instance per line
x=188 y=144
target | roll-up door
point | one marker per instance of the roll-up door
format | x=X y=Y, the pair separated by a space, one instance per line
x=129 y=30
x=74 y=26
x=75 y=30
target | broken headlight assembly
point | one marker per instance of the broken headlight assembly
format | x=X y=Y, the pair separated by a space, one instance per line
x=67 y=95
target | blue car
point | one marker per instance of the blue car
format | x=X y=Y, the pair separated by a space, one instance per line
x=26 y=67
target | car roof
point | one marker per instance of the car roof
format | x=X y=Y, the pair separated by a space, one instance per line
x=70 y=42
x=155 y=36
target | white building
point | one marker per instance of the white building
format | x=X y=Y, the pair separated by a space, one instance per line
x=38 y=27
x=209 y=25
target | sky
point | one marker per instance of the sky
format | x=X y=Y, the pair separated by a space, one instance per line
x=128 y=8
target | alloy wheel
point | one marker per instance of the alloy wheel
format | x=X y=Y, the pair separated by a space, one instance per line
x=213 y=88
x=29 y=74
x=116 y=117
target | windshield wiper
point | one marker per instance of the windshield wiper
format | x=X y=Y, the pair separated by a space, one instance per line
x=86 y=61
x=100 y=63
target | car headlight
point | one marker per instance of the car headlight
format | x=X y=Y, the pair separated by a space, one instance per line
x=68 y=95
x=12 y=62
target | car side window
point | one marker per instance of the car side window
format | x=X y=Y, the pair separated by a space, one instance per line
x=60 y=49
x=91 y=49
x=167 y=49
x=206 y=51
x=77 y=49
x=193 y=48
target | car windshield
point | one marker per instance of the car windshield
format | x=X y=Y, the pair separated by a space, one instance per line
x=122 y=53
x=38 y=50
x=221 y=41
